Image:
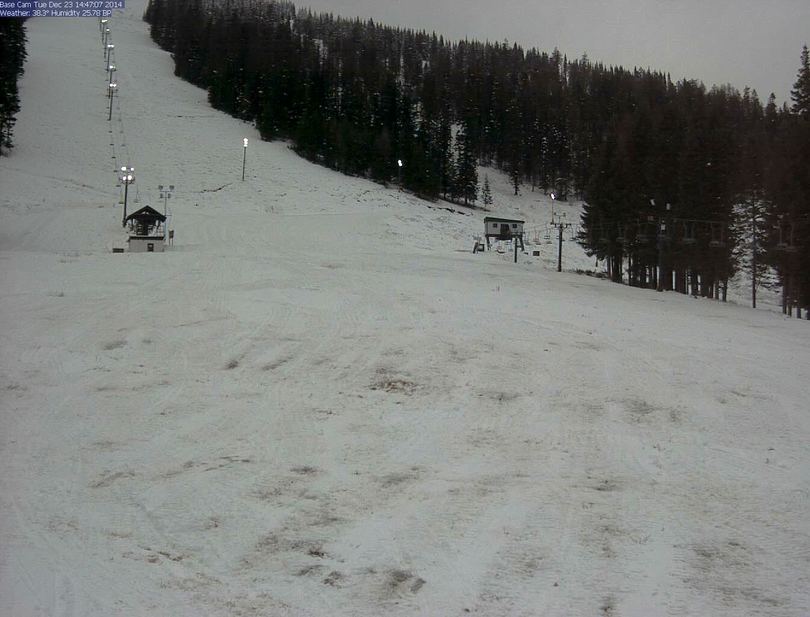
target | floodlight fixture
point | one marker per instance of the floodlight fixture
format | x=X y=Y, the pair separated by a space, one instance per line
x=165 y=195
x=127 y=177
x=112 y=87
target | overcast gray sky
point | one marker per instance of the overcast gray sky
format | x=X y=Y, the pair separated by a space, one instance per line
x=754 y=43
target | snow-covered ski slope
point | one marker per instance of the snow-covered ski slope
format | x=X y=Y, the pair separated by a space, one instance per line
x=322 y=403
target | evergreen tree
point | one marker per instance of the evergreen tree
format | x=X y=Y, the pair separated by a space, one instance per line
x=515 y=177
x=466 y=176
x=486 y=193
x=801 y=89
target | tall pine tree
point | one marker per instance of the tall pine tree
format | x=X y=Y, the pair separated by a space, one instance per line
x=801 y=89
x=486 y=193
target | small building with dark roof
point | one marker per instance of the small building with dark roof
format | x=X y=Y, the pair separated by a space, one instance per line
x=147 y=231
x=503 y=229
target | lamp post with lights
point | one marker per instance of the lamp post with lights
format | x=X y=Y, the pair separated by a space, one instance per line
x=165 y=195
x=127 y=177
x=244 y=157
x=112 y=88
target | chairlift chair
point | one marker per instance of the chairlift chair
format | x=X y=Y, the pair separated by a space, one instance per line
x=622 y=237
x=603 y=239
x=689 y=232
x=662 y=232
x=788 y=246
x=718 y=232
x=642 y=236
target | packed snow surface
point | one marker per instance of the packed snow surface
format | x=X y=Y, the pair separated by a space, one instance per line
x=321 y=402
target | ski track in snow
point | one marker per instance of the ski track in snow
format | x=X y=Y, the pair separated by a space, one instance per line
x=320 y=402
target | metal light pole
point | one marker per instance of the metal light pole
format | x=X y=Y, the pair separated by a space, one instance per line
x=111 y=70
x=244 y=157
x=112 y=88
x=127 y=177
x=399 y=172
x=165 y=195
x=108 y=50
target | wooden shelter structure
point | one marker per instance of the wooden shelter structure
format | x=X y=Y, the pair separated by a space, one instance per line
x=147 y=231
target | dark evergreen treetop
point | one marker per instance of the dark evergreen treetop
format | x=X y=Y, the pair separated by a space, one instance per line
x=801 y=89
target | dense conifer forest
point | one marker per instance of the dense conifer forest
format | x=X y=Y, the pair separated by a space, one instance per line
x=12 y=59
x=684 y=186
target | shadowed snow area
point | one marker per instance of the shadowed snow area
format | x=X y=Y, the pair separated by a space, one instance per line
x=321 y=402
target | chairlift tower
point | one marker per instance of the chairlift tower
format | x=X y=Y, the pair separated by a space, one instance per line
x=560 y=226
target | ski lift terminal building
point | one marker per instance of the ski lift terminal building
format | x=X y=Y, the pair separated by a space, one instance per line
x=503 y=229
